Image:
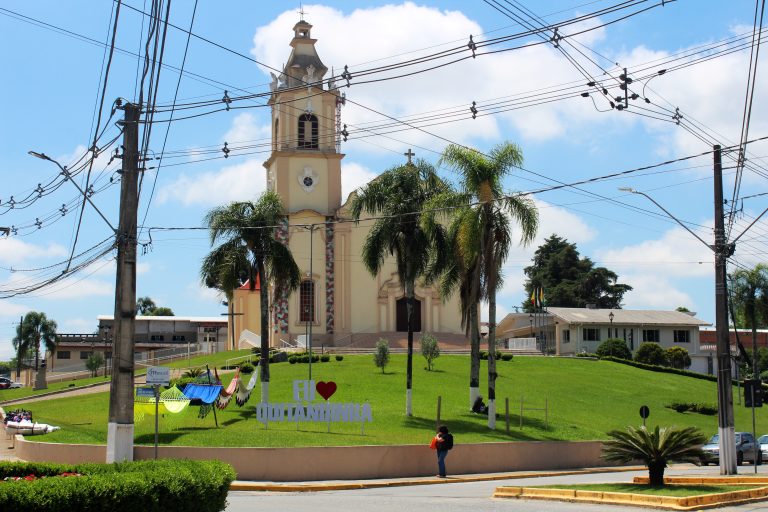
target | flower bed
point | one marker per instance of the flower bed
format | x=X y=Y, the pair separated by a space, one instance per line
x=161 y=485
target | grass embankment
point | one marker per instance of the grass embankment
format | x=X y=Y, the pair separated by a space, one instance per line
x=213 y=360
x=586 y=399
x=677 y=491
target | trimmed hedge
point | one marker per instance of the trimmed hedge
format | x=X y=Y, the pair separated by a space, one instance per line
x=147 y=486
x=662 y=369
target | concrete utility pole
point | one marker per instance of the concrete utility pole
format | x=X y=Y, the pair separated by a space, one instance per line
x=725 y=421
x=120 y=427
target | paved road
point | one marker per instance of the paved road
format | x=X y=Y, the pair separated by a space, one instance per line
x=459 y=497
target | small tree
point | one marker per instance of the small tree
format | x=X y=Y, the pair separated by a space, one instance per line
x=655 y=448
x=614 y=347
x=381 y=357
x=429 y=349
x=651 y=353
x=94 y=362
x=678 y=357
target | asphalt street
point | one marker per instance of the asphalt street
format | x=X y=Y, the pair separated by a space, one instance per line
x=458 y=497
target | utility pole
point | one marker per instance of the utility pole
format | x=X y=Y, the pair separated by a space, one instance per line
x=725 y=421
x=120 y=426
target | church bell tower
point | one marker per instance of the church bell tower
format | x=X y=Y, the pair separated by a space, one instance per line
x=304 y=167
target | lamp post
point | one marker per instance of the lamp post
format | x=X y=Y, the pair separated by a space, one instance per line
x=610 y=318
x=307 y=342
x=231 y=314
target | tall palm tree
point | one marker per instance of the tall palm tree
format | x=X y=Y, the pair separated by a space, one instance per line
x=749 y=292
x=485 y=237
x=655 y=448
x=246 y=232
x=397 y=196
x=34 y=328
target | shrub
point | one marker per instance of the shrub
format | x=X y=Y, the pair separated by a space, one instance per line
x=429 y=349
x=247 y=368
x=614 y=347
x=651 y=353
x=484 y=355
x=506 y=357
x=381 y=356
x=194 y=372
x=678 y=357
x=662 y=369
x=586 y=354
x=126 y=486
x=304 y=358
x=325 y=358
x=293 y=359
x=339 y=357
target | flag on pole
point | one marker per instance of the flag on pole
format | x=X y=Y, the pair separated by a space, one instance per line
x=541 y=296
x=533 y=297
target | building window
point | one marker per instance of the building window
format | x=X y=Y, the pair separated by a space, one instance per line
x=85 y=354
x=209 y=338
x=63 y=354
x=307 y=301
x=651 y=335
x=157 y=337
x=210 y=329
x=276 y=137
x=308 y=131
x=179 y=337
x=566 y=335
x=591 y=334
x=682 y=336
x=108 y=355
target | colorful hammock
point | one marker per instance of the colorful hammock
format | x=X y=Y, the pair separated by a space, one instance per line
x=174 y=400
x=206 y=393
x=226 y=394
x=244 y=391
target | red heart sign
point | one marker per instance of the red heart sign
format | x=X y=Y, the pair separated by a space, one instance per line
x=326 y=389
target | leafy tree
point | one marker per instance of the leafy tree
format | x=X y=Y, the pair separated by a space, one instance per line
x=614 y=347
x=161 y=311
x=94 y=362
x=569 y=280
x=5 y=368
x=651 y=353
x=397 y=196
x=483 y=231
x=429 y=349
x=381 y=356
x=678 y=357
x=246 y=234
x=655 y=448
x=749 y=294
x=144 y=305
x=682 y=309
x=34 y=329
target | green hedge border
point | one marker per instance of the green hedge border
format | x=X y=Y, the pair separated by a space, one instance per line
x=661 y=369
x=145 y=486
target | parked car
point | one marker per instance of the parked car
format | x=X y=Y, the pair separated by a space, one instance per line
x=745 y=449
x=763 y=441
x=8 y=383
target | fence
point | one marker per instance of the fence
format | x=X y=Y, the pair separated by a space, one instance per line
x=522 y=344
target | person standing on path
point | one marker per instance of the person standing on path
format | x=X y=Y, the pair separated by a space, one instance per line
x=443 y=443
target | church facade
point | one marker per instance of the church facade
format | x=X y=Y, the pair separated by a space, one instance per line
x=342 y=303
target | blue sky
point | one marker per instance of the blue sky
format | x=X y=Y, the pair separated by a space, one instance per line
x=52 y=81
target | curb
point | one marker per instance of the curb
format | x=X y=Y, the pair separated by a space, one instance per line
x=704 y=501
x=240 y=485
x=32 y=398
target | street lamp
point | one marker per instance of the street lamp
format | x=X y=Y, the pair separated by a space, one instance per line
x=610 y=318
x=307 y=342
x=68 y=177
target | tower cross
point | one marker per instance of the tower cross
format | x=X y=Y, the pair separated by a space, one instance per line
x=409 y=154
x=301 y=11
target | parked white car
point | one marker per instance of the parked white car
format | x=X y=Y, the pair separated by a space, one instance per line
x=6 y=383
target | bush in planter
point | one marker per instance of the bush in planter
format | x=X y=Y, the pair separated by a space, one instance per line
x=614 y=347
x=127 y=486
x=339 y=357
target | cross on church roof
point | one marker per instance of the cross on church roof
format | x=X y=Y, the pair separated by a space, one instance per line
x=409 y=154
x=301 y=11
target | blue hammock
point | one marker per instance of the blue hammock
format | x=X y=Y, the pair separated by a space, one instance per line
x=206 y=393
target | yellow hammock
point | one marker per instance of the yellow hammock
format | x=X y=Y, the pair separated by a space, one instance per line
x=172 y=401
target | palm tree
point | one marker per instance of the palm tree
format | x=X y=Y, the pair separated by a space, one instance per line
x=485 y=238
x=34 y=328
x=655 y=448
x=246 y=231
x=397 y=196
x=749 y=291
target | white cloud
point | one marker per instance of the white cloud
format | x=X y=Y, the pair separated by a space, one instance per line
x=238 y=182
x=204 y=294
x=9 y=309
x=78 y=325
x=354 y=176
x=654 y=291
x=14 y=251
x=246 y=129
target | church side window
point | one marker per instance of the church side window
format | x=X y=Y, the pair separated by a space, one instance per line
x=276 y=137
x=307 y=301
x=308 y=131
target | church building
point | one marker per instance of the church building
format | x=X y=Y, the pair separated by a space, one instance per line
x=342 y=303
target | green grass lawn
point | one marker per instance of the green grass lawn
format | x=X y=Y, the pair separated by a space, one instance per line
x=213 y=360
x=677 y=491
x=586 y=399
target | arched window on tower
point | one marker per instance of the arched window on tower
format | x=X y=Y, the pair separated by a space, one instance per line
x=307 y=301
x=308 y=132
x=276 y=136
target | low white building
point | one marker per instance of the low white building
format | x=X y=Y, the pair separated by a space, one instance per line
x=569 y=331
